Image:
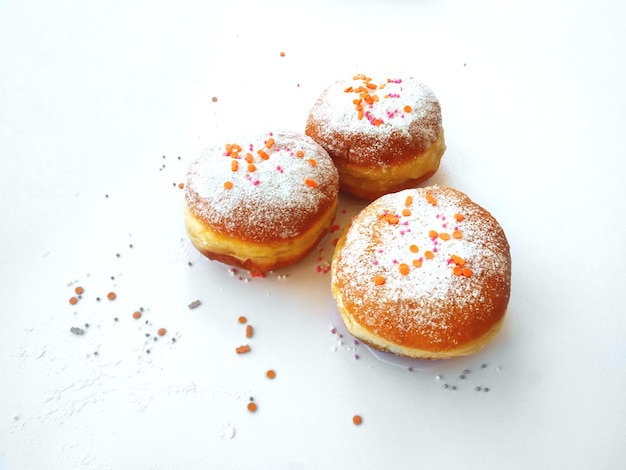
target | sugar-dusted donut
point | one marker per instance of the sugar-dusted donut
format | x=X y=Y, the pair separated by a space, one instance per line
x=261 y=203
x=424 y=273
x=384 y=134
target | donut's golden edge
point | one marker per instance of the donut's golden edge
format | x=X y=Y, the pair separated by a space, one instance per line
x=371 y=183
x=257 y=258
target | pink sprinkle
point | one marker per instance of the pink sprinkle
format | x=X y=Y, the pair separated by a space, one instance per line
x=375 y=262
x=395 y=261
x=355 y=342
x=435 y=250
x=256 y=182
x=437 y=216
x=356 y=356
x=333 y=330
x=319 y=269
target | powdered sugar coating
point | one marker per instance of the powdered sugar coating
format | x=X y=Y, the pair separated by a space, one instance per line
x=429 y=308
x=387 y=131
x=291 y=182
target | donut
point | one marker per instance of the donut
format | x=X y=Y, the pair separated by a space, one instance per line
x=383 y=134
x=423 y=273
x=261 y=203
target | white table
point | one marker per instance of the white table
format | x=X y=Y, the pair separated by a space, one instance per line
x=97 y=102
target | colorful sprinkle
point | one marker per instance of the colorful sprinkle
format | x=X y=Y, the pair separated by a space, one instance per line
x=242 y=349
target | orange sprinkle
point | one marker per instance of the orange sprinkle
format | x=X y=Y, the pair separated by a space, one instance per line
x=137 y=315
x=310 y=182
x=181 y=185
x=300 y=153
x=404 y=269
x=408 y=201
x=414 y=248
x=312 y=162
x=252 y=407
x=430 y=198
x=251 y=168
x=249 y=331
x=73 y=300
x=457 y=270
x=392 y=219
x=111 y=296
x=407 y=109
x=459 y=217
x=242 y=349
x=234 y=154
x=378 y=122
x=371 y=86
x=161 y=332
x=79 y=290
x=242 y=320
x=357 y=100
x=357 y=420
x=429 y=255
x=236 y=147
x=360 y=115
x=228 y=148
x=348 y=90
x=249 y=158
x=433 y=234
x=444 y=236
x=417 y=263
x=457 y=260
x=234 y=165
x=379 y=280
x=467 y=272
x=263 y=154
x=228 y=185
x=270 y=374
x=406 y=212
x=457 y=234
x=282 y=54
x=270 y=143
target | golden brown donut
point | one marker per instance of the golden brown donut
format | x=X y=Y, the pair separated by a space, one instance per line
x=384 y=134
x=261 y=203
x=423 y=273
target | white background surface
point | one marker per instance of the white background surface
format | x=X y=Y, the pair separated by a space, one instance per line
x=99 y=99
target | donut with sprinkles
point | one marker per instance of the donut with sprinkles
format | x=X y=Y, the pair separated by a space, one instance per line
x=423 y=273
x=262 y=202
x=384 y=134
